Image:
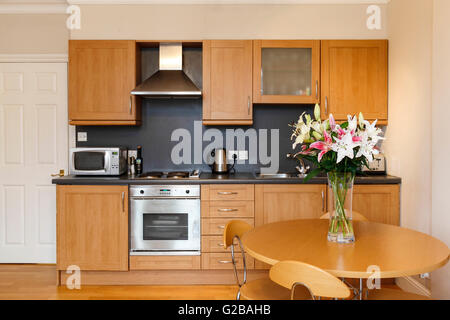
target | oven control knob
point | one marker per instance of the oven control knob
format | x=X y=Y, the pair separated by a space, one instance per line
x=141 y=192
x=187 y=191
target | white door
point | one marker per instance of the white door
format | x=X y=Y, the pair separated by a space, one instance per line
x=33 y=145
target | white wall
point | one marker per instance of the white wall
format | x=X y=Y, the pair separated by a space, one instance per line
x=440 y=281
x=408 y=135
x=194 y=22
x=33 y=33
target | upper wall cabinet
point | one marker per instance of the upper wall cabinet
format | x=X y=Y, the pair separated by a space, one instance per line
x=354 y=78
x=102 y=74
x=227 y=82
x=286 y=71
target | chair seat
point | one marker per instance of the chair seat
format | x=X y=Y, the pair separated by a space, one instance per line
x=394 y=294
x=266 y=289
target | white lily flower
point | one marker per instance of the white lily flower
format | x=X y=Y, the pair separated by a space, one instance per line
x=344 y=147
x=352 y=123
x=366 y=148
x=373 y=133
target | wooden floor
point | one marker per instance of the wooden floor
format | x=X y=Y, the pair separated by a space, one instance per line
x=31 y=282
x=38 y=282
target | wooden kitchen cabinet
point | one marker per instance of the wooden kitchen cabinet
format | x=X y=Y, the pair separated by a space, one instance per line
x=227 y=82
x=355 y=79
x=102 y=74
x=378 y=203
x=283 y=202
x=286 y=71
x=92 y=227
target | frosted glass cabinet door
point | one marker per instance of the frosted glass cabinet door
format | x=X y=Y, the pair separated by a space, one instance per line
x=286 y=71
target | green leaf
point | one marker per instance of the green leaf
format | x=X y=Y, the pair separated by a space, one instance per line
x=312 y=174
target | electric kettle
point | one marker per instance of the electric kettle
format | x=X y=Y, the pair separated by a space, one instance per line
x=220 y=165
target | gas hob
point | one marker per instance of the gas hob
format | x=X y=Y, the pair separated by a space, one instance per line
x=170 y=175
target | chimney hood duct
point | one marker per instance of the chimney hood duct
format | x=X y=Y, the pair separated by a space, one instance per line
x=170 y=80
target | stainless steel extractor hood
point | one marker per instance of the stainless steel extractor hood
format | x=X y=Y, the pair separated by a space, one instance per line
x=170 y=80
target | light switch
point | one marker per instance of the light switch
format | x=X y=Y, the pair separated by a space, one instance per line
x=82 y=136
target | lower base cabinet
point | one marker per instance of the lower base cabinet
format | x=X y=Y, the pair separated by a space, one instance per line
x=92 y=227
x=378 y=203
x=283 y=202
x=92 y=222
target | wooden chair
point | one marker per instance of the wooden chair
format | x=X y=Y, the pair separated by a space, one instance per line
x=392 y=294
x=261 y=289
x=319 y=283
x=356 y=216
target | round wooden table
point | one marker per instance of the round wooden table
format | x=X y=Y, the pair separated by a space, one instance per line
x=398 y=252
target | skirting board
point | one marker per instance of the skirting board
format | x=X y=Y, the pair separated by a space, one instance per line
x=410 y=284
x=161 y=277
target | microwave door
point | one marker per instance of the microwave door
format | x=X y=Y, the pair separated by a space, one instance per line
x=81 y=164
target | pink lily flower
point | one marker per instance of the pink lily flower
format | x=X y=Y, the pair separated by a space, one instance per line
x=356 y=139
x=323 y=146
x=332 y=122
x=341 y=132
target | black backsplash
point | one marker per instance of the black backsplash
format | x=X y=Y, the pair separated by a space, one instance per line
x=160 y=117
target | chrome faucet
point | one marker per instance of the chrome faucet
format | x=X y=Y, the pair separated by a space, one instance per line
x=302 y=169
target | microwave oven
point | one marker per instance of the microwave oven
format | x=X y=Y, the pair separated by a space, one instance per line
x=98 y=161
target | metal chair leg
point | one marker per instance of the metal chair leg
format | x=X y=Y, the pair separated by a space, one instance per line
x=360 y=289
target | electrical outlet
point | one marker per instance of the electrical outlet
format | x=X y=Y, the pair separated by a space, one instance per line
x=82 y=136
x=231 y=153
x=243 y=155
x=132 y=153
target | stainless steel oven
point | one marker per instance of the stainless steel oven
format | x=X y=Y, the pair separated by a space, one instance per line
x=165 y=220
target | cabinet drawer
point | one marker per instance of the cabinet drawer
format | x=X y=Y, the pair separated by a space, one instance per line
x=223 y=261
x=216 y=226
x=164 y=262
x=228 y=192
x=228 y=209
x=213 y=244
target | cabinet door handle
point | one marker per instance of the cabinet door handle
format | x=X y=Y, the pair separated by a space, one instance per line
x=225 y=261
x=220 y=245
x=248 y=105
x=131 y=104
x=221 y=227
x=323 y=201
x=226 y=193
x=123 y=201
x=226 y=210
x=317 y=89
x=326 y=106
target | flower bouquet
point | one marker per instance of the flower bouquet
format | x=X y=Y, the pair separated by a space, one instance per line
x=340 y=151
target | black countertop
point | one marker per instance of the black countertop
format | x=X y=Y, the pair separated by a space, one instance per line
x=209 y=178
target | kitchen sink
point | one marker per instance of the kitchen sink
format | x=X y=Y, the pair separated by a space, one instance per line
x=280 y=176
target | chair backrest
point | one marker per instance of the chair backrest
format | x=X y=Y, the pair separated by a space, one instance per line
x=320 y=283
x=234 y=228
x=356 y=216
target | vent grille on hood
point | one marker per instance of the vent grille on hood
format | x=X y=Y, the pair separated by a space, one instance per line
x=170 y=80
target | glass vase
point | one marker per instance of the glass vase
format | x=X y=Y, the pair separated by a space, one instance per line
x=340 y=190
